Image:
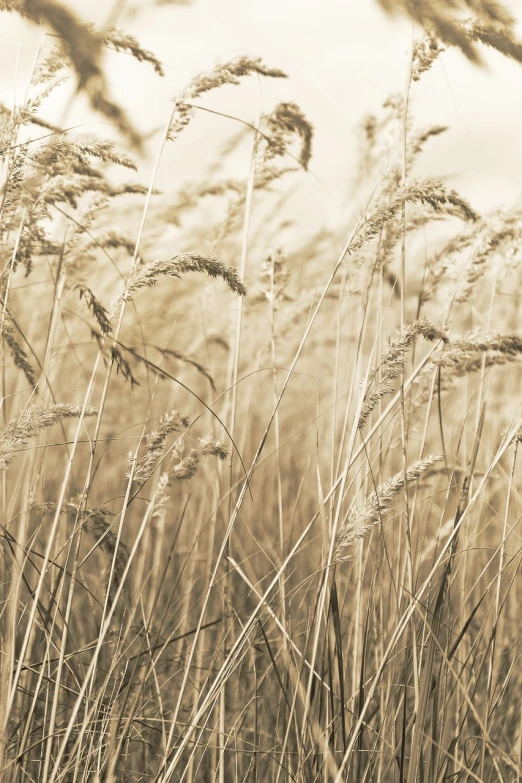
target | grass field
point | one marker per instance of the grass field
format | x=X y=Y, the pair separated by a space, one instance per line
x=260 y=503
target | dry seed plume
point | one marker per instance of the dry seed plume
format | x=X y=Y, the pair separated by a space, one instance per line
x=155 y=444
x=392 y=363
x=428 y=192
x=425 y=52
x=361 y=519
x=122 y=42
x=287 y=120
x=187 y=467
x=179 y=265
x=444 y=259
x=226 y=73
x=18 y=354
x=496 y=36
x=497 y=243
x=78 y=152
x=99 y=312
x=31 y=421
x=465 y=355
x=460 y=355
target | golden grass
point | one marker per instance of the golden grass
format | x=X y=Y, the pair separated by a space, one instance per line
x=255 y=538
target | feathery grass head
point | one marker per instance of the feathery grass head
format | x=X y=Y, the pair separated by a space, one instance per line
x=443 y=260
x=392 y=363
x=31 y=421
x=464 y=355
x=448 y=21
x=429 y=192
x=274 y=278
x=425 y=52
x=155 y=444
x=77 y=153
x=186 y=468
x=210 y=447
x=497 y=245
x=459 y=356
x=83 y=47
x=18 y=353
x=419 y=139
x=123 y=42
x=99 y=312
x=179 y=265
x=161 y=497
x=285 y=121
x=26 y=114
x=361 y=519
x=223 y=74
x=50 y=66
x=495 y=35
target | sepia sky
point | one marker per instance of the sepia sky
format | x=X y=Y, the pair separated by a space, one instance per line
x=343 y=58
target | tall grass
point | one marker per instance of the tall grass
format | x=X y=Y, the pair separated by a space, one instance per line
x=264 y=537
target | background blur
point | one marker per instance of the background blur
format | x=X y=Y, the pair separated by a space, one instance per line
x=342 y=58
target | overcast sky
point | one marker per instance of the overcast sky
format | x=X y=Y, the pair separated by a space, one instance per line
x=343 y=58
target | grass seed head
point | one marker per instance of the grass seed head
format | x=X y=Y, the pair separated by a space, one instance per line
x=31 y=421
x=361 y=519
